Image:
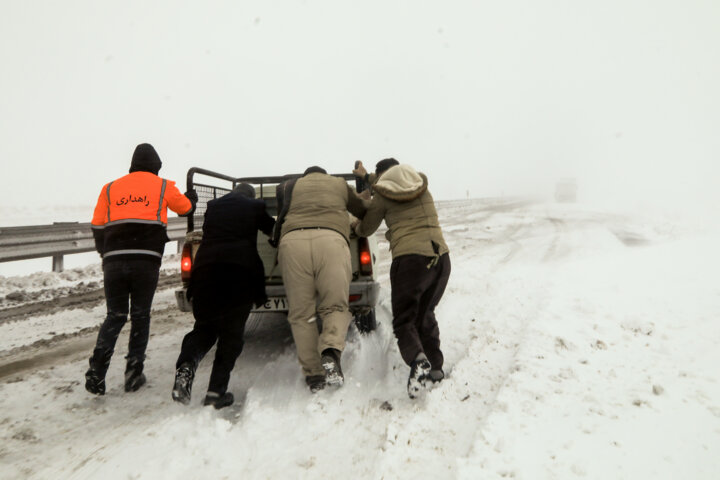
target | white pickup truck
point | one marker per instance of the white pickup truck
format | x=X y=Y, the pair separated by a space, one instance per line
x=364 y=287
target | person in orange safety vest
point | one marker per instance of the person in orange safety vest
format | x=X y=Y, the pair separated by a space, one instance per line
x=130 y=231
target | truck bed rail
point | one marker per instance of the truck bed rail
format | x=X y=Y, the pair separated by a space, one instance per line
x=207 y=192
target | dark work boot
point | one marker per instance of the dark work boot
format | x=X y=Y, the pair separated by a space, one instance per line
x=183 y=383
x=437 y=375
x=419 y=375
x=330 y=360
x=95 y=382
x=134 y=377
x=315 y=382
x=219 y=401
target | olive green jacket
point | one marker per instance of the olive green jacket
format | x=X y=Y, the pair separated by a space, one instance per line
x=404 y=202
x=323 y=201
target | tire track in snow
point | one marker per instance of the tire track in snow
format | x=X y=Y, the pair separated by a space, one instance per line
x=80 y=300
x=45 y=353
x=560 y=228
x=509 y=236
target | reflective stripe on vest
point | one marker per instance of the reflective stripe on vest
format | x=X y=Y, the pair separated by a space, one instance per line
x=130 y=220
x=162 y=196
x=107 y=192
x=133 y=252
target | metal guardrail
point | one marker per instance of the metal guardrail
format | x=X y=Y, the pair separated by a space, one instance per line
x=38 y=241
x=59 y=239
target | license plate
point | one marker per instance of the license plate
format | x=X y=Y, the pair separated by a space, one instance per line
x=274 y=304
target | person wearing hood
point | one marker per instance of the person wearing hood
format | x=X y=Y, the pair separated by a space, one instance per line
x=227 y=278
x=420 y=264
x=313 y=233
x=129 y=226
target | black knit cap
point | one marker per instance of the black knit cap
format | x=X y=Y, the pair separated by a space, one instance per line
x=145 y=159
x=245 y=189
x=314 y=169
x=384 y=165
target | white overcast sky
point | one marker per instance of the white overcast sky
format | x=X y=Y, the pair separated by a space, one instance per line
x=486 y=97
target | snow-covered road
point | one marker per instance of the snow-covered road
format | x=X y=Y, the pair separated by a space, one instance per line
x=578 y=343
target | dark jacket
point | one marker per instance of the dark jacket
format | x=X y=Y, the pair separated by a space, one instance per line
x=227 y=266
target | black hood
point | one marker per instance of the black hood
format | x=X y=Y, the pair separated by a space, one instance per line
x=145 y=159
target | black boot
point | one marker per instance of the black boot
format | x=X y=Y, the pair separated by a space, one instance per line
x=419 y=375
x=183 y=383
x=315 y=382
x=95 y=382
x=219 y=401
x=437 y=375
x=330 y=360
x=134 y=377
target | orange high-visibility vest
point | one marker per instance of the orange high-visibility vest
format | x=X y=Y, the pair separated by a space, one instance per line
x=130 y=217
x=139 y=197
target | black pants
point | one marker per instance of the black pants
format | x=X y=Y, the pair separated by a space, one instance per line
x=227 y=327
x=126 y=281
x=416 y=291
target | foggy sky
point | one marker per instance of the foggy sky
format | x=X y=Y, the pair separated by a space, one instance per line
x=485 y=97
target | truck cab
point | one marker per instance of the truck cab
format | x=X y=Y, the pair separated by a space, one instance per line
x=364 y=288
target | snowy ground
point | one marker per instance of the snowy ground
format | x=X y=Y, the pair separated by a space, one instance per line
x=580 y=343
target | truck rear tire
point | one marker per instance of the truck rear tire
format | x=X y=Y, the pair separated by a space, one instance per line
x=365 y=321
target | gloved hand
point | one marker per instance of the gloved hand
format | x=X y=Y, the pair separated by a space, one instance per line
x=192 y=196
x=359 y=171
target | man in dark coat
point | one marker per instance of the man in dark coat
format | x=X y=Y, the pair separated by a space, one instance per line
x=227 y=278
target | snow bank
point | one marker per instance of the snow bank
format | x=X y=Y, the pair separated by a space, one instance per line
x=578 y=343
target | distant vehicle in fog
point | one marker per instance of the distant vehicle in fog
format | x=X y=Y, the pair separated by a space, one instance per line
x=566 y=190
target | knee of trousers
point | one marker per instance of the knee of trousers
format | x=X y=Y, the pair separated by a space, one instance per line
x=302 y=317
x=143 y=316
x=116 y=316
x=140 y=321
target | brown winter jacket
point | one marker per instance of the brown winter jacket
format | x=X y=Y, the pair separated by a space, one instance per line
x=322 y=201
x=404 y=202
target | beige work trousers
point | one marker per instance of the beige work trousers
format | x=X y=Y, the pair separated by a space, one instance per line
x=316 y=271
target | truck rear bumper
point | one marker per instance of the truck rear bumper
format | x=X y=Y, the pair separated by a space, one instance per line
x=363 y=297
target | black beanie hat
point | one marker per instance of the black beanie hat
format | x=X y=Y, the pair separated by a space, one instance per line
x=314 y=169
x=385 y=164
x=145 y=159
x=245 y=189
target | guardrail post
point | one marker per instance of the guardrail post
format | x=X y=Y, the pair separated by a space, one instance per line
x=57 y=263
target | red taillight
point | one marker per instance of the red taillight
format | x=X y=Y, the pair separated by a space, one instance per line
x=365 y=256
x=186 y=262
x=355 y=298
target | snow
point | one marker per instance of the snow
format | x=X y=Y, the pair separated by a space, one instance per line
x=579 y=343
